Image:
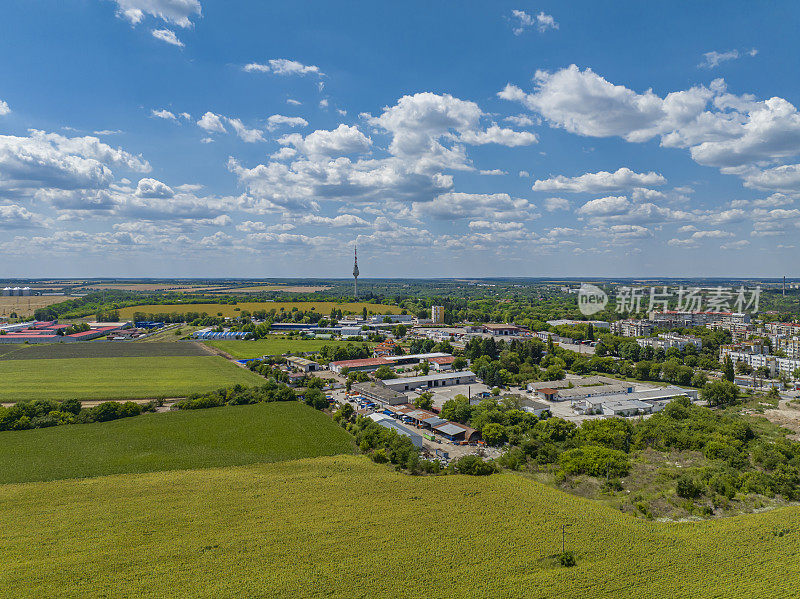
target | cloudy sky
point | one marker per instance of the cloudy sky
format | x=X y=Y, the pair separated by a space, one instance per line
x=208 y=138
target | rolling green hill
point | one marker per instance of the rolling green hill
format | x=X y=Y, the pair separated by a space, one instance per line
x=231 y=435
x=344 y=527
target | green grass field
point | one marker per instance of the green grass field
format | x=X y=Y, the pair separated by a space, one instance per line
x=344 y=527
x=271 y=346
x=323 y=308
x=118 y=378
x=102 y=349
x=225 y=436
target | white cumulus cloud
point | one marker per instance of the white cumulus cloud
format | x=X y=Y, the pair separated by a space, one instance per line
x=282 y=66
x=168 y=36
x=212 y=122
x=600 y=182
x=177 y=12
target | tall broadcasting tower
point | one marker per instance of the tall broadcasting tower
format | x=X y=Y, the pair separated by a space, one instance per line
x=355 y=274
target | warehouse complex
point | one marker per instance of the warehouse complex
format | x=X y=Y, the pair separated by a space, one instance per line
x=52 y=332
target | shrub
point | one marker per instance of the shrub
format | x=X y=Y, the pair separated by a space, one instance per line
x=71 y=405
x=494 y=434
x=316 y=399
x=473 y=466
x=720 y=393
x=379 y=456
x=687 y=487
x=567 y=559
x=594 y=461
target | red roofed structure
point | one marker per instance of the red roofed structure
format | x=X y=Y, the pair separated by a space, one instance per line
x=363 y=365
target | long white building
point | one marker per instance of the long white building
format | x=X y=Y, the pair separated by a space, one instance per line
x=693 y=319
x=667 y=340
x=776 y=365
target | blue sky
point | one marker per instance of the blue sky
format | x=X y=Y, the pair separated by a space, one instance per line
x=197 y=138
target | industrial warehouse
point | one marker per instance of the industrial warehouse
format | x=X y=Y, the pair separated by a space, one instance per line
x=52 y=332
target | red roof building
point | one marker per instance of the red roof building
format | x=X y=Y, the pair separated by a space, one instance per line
x=363 y=365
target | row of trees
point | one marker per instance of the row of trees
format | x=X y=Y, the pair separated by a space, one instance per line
x=43 y=413
x=237 y=395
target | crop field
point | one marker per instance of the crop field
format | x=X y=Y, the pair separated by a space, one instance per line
x=226 y=436
x=26 y=305
x=100 y=349
x=168 y=335
x=344 y=527
x=118 y=378
x=270 y=347
x=143 y=287
x=231 y=310
x=286 y=288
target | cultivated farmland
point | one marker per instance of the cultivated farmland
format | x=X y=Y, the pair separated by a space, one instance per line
x=272 y=346
x=344 y=527
x=224 y=436
x=286 y=288
x=118 y=378
x=323 y=308
x=100 y=349
x=27 y=305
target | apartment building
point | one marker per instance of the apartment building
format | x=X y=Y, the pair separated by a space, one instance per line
x=632 y=328
x=667 y=340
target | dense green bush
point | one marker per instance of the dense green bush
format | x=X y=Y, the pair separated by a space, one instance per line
x=238 y=395
x=473 y=466
x=45 y=413
x=594 y=460
x=687 y=487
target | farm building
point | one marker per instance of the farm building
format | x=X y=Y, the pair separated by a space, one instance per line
x=442 y=363
x=536 y=408
x=380 y=394
x=439 y=379
x=502 y=329
x=418 y=417
x=457 y=432
x=210 y=334
x=361 y=365
x=626 y=407
x=52 y=332
x=414 y=358
x=636 y=402
x=303 y=364
x=387 y=348
x=390 y=423
x=580 y=393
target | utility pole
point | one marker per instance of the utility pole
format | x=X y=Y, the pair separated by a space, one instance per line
x=355 y=274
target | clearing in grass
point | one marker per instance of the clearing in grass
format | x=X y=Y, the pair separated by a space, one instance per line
x=344 y=527
x=230 y=435
x=323 y=308
x=273 y=346
x=118 y=378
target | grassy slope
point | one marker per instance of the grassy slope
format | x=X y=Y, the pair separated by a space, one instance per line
x=174 y=440
x=343 y=527
x=323 y=308
x=268 y=347
x=118 y=378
